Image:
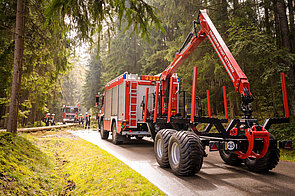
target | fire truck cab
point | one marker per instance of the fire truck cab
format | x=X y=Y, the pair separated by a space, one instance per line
x=122 y=109
x=68 y=113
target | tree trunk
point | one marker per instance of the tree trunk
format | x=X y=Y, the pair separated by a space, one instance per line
x=292 y=26
x=282 y=16
x=17 y=67
x=266 y=13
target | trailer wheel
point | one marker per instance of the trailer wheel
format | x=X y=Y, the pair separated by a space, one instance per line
x=103 y=133
x=161 y=146
x=115 y=136
x=230 y=158
x=185 y=152
x=268 y=162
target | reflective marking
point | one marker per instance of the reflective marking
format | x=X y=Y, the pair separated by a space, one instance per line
x=225 y=65
x=176 y=62
x=185 y=48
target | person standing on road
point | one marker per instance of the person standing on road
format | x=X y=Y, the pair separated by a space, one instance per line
x=87 y=119
x=47 y=119
x=52 y=122
x=76 y=119
x=81 y=119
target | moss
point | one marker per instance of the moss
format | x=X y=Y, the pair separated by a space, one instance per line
x=24 y=169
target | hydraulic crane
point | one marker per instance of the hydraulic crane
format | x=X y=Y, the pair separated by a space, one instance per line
x=237 y=76
x=178 y=143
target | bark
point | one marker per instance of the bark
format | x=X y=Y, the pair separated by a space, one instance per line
x=266 y=13
x=292 y=26
x=277 y=29
x=282 y=16
x=17 y=67
x=283 y=21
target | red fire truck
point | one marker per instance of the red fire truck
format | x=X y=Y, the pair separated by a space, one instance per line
x=69 y=113
x=123 y=106
x=152 y=105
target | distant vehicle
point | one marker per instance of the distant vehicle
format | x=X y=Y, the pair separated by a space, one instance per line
x=69 y=112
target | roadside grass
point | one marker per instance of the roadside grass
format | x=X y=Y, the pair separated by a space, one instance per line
x=25 y=170
x=287 y=155
x=90 y=170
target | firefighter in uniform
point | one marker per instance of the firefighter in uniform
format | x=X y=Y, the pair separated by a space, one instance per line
x=76 y=120
x=52 y=122
x=47 y=119
x=81 y=119
x=87 y=119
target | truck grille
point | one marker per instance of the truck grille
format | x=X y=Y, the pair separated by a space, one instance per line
x=70 y=116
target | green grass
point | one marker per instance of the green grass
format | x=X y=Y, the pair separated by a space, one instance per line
x=285 y=132
x=288 y=155
x=25 y=170
x=90 y=170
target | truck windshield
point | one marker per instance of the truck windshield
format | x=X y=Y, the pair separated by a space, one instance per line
x=71 y=110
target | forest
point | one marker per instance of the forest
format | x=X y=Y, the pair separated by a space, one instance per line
x=259 y=33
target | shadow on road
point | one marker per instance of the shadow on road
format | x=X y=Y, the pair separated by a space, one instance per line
x=215 y=175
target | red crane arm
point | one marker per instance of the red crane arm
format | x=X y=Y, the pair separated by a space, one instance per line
x=208 y=30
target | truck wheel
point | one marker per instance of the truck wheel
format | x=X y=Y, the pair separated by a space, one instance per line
x=268 y=162
x=115 y=136
x=185 y=152
x=161 y=146
x=103 y=133
x=230 y=158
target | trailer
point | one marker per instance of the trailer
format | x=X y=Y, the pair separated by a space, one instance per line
x=172 y=119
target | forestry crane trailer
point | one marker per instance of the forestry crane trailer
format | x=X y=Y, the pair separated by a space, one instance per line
x=177 y=142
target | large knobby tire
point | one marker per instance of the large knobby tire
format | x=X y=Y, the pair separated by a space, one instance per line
x=116 y=139
x=185 y=152
x=268 y=162
x=103 y=133
x=230 y=158
x=161 y=146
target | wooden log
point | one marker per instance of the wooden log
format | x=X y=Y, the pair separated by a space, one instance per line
x=47 y=128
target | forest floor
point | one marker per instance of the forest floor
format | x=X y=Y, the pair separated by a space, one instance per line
x=58 y=163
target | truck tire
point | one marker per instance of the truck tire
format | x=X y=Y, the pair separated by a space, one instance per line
x=185 y=152
x=268 y=162
x=116 y=138
x=161 y=146
x=230 y=158
x=103 y=133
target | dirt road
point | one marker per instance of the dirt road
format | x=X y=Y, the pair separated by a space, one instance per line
x=215 y=177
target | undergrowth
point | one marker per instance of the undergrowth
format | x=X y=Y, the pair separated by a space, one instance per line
x=25 y=170
x=285 y=132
